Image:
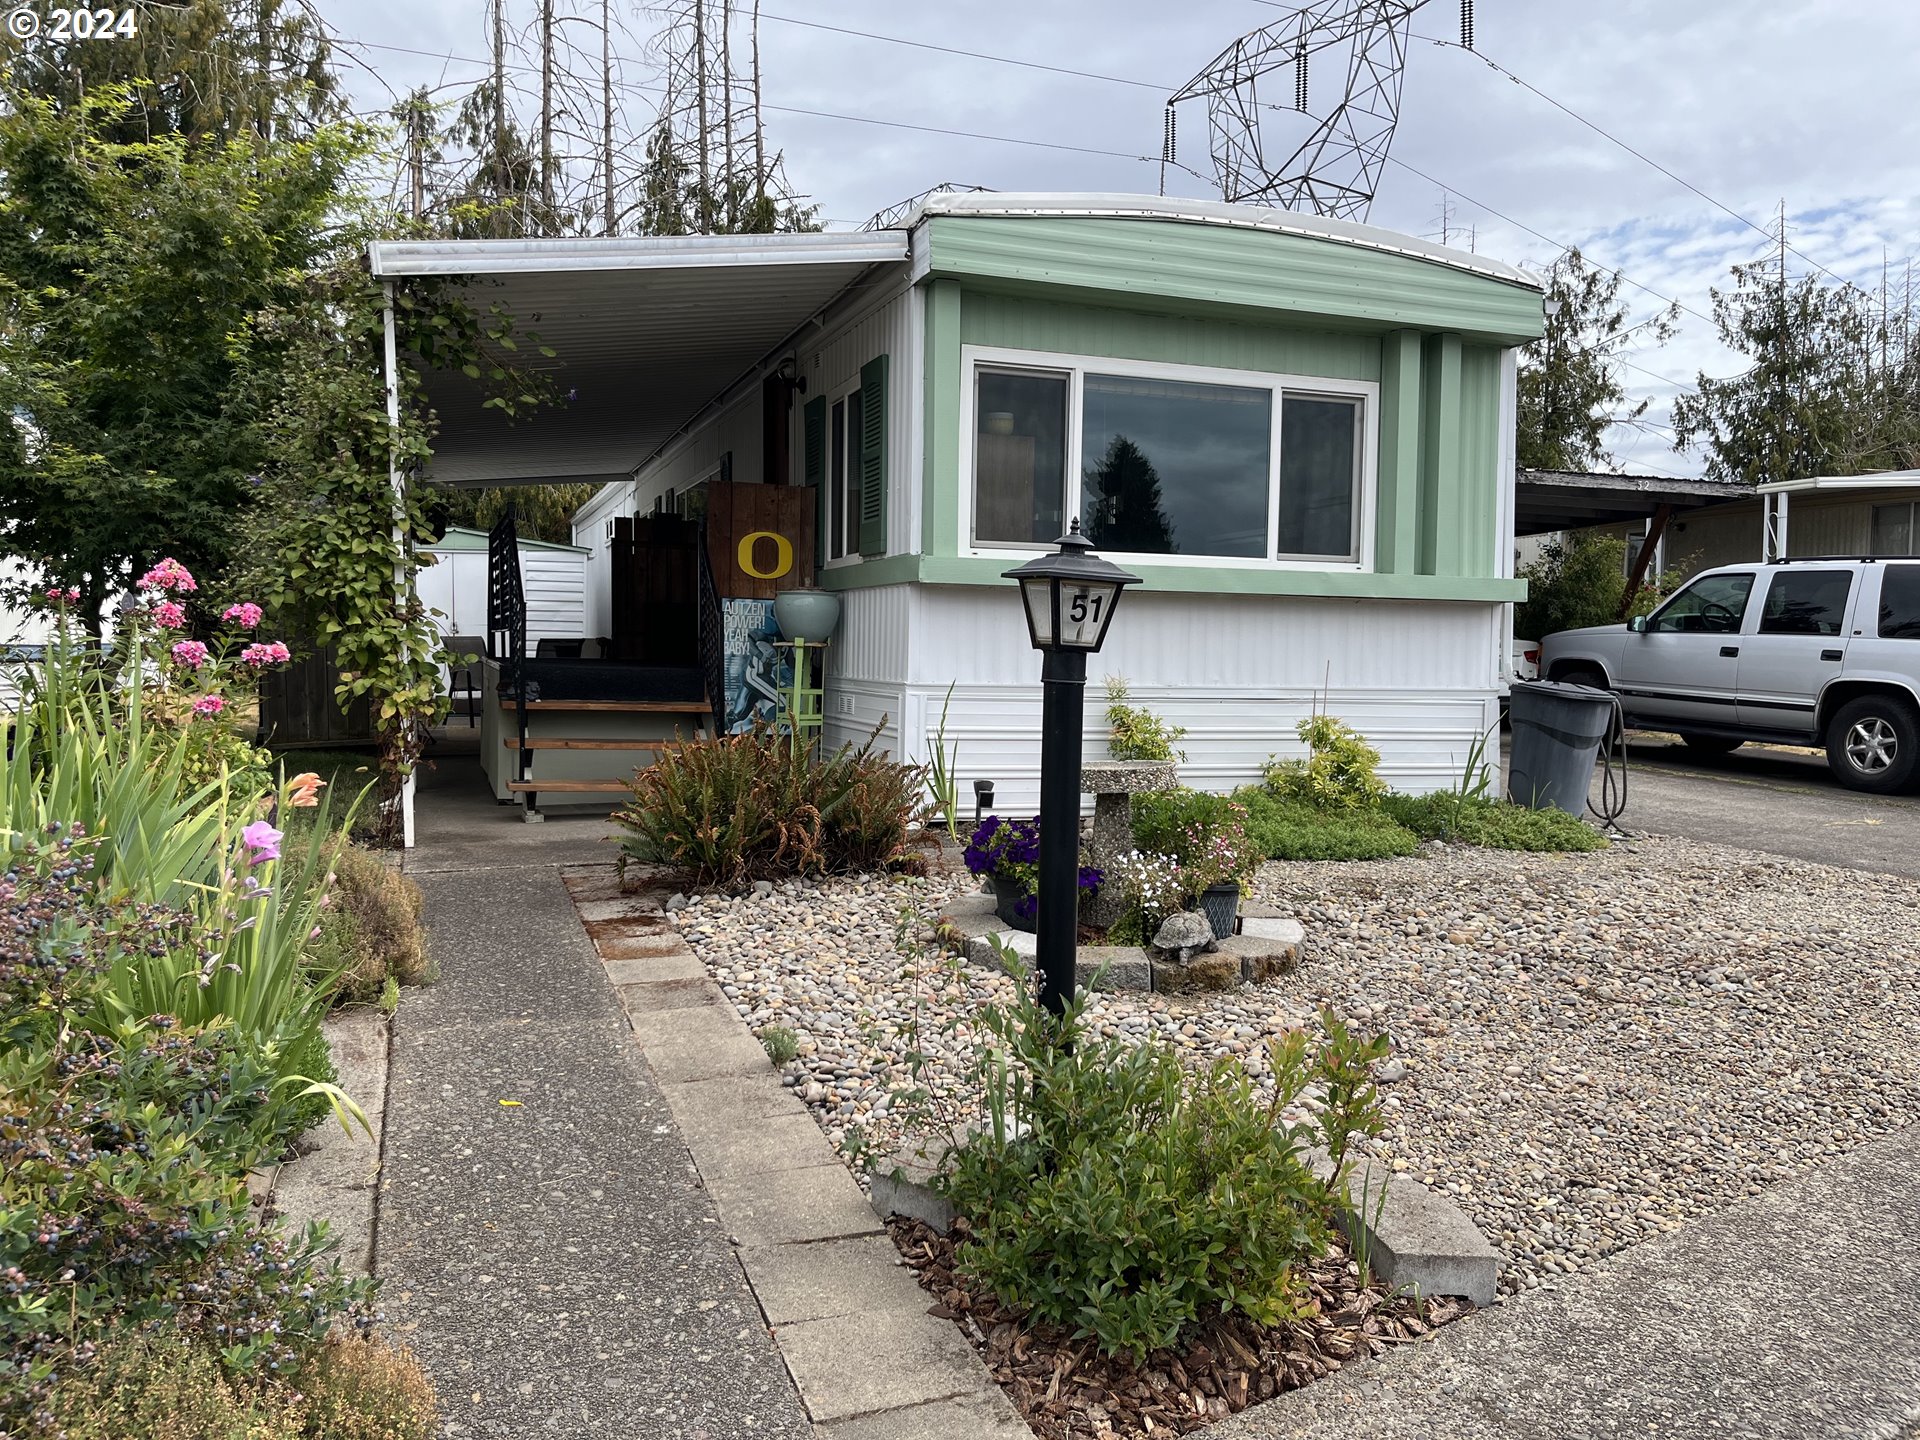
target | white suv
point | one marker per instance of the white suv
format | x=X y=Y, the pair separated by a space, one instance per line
x=1823 y=652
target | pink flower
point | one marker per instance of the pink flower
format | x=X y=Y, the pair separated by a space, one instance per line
x=169 y=574
x=246 y=615
x=73 y=592
x=169 y=614
x=262 y=842
x=209 y=705
x=258 y=654
x=190 y=653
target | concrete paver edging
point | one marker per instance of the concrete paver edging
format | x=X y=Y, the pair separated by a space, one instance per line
x=826 y=1274
x=337 y=1180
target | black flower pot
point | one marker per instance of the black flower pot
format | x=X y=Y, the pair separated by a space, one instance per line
x=1220 y=904
x=1005 y=897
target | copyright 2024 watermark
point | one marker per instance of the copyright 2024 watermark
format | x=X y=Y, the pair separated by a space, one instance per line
x=65 y=26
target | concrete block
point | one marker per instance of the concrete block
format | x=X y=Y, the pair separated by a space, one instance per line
x=822 y=1202
x=1113 y=967
x=975 y=906
x=853 y=1365
x=675 y=1062
x=1417 y=1237
x=1261 y=958
x=704 y=1108
x=683 y=965
x=988 y=1415
x=834 y=1277
x=628 y=927
x=713 y=1021
x=902 y=1184
x=622 y=907
x=770 y=1146
x=1282 y=928
x=335 y=1180
x=665 y=946
x=684 y=992
x=1211 y=972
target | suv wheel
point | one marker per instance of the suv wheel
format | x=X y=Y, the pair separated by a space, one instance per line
x=1873 y=743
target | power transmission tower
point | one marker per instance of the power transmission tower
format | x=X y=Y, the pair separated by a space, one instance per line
x=1336 y=168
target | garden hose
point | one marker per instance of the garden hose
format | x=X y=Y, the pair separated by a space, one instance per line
x=1613 y=791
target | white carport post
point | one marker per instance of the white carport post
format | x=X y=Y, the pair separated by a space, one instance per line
x=398 y=479
x=1774 y=511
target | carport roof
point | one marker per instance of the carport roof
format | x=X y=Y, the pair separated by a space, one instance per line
x=1548 y=500
x=647 y=330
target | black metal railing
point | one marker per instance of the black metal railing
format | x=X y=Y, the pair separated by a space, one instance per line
x=507 y=625
x=712 y=637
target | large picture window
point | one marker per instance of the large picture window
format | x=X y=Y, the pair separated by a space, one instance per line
x=1165 y=460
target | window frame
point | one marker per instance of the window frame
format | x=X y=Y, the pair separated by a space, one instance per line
x=1913 y=527
x=1076 y=367
x=843 y=400
x=1747 y=608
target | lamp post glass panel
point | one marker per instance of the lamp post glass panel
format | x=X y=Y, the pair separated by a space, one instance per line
x=1069 y=598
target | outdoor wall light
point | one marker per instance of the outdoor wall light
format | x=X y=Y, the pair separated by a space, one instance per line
x=982 y=800
x=1069 y=598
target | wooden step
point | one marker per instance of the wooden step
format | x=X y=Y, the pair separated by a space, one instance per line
x=618 y=707
x=569 y=787
x=532 y=744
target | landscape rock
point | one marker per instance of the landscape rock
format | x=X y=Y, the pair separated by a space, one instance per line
x=1185 y=933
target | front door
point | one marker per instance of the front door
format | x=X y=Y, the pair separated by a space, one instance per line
x=1682 y=669
x=1799 y=642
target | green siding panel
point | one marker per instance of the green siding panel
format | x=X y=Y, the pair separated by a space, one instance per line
x=1396 y=548
x=1479 y=459
x=1023 y=323
x=1201 y=269
x=1185 y=579
x=940 y=460
x=1440 y=470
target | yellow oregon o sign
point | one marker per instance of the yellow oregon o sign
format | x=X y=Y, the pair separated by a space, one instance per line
x=782 y=552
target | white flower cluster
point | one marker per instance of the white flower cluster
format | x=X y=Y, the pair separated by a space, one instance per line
x=1151 y=882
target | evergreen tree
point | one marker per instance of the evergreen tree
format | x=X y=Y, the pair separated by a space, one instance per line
x=1127 y=512
x=1570 y=390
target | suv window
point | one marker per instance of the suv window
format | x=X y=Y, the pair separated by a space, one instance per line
x=1711 y=605
x=1806 y=602
x=1900 y=603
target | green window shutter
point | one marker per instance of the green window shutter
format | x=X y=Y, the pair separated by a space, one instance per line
x=873 y=456
x=813 y=468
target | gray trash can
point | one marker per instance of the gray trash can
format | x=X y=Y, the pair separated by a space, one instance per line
x=1557 y=730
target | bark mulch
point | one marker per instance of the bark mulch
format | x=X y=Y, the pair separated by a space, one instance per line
x=1069 y=1391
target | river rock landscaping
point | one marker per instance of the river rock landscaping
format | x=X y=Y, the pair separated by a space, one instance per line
x=1588 y=1049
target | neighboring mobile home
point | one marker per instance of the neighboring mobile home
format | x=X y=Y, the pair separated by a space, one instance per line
x=1299 y=431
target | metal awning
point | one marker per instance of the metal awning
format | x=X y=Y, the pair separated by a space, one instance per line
x=647 y=332
x=1548 y=500
x=1813 y=484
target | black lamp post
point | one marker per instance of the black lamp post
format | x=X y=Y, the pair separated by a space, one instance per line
x=1070 y=597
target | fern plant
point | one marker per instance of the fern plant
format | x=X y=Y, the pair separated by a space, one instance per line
x=1136 y=733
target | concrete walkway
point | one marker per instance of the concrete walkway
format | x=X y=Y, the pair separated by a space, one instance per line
x=553 y=1260
x=1787 y=1316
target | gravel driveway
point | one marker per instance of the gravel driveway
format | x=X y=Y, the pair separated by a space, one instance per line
x=1590 y=1049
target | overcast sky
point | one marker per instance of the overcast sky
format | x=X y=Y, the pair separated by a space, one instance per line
x=1751 y=101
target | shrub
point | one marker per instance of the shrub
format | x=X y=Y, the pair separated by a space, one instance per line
x=1135 y=733
x=780 y=1043
x=1495 y=824
x=1205 y=835
x=1117 y=1193
x=158 y=1387
x=1289 y=830
x=370 y=931
x=764 y=806
x=1339 y=775
x=1008 y=853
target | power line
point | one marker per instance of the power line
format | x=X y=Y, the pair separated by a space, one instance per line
x=969 y=54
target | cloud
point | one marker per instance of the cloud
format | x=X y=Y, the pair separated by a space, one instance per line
x=1754 y=104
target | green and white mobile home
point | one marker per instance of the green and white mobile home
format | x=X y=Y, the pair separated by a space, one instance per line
x=1299 y=431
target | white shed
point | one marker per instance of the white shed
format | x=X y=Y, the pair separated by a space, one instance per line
x=554 y=578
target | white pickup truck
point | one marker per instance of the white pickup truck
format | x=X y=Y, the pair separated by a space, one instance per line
x=1805 y=652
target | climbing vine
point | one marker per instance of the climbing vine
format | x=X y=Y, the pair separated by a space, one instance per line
x=333 y=547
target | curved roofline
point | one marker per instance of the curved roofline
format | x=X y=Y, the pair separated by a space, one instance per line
x=1019 y=205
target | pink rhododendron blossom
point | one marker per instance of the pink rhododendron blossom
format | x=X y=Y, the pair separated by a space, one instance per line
x=169 y=574
x=273 y=654
x=209 y=705
x=262 y=841
x=190 y=653
x=245 y=615
x=169 y=614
